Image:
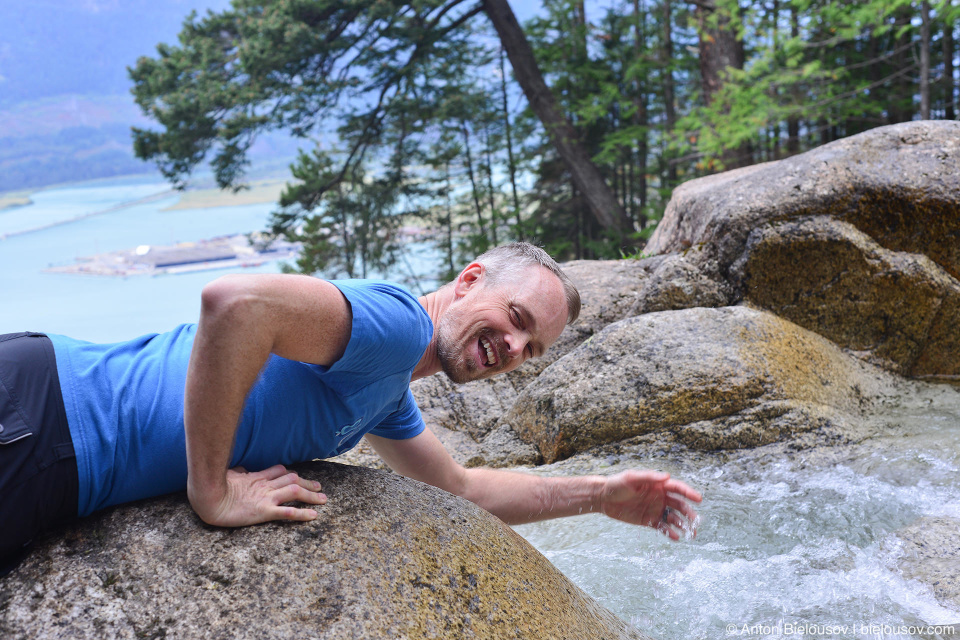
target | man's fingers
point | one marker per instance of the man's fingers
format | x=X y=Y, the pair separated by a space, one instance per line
x=683 y=489
x=668 y=531
x=283 y=481
x=293 y=492
x=681 y=505
x=293 y=513
x=312 y=485
x=273 y=472
x=293 y=478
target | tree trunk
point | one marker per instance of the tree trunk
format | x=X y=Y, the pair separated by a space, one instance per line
x=669 y=101
x=473 y=182
x=586 y=176
x=640 y=115
x=949 y=87
x=489 y=170
x=449 y=243
x=580 y=37
x=511 y=161
x=902 y=89
x=793 y=122
x=719 y=49
x=924 y=60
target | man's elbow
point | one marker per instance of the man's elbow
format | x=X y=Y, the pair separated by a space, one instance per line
x=227 y=297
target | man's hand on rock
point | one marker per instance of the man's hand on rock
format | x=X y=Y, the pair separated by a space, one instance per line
x=252 y=498
x=651 y=499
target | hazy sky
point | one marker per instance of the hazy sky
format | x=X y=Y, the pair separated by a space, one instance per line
x=56 y=47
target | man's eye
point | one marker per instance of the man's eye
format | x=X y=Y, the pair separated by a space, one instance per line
x=516 y=317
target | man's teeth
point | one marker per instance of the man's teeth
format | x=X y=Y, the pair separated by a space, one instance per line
x=486 y=345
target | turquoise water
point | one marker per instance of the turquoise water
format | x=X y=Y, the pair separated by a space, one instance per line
x=107 y=309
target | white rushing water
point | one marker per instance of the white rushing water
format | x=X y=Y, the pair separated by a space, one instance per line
x=785 y=549
x=782 y=543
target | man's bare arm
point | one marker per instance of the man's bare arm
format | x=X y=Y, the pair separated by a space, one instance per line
x=243 y=319
x=637 y=497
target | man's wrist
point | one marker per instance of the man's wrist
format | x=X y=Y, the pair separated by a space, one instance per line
x=207 y=492
x=598 y=485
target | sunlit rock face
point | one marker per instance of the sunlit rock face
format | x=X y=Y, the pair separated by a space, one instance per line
x=708 y=378
x=858 y=240
x=387 y=558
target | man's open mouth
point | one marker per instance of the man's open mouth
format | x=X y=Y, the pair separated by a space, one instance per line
x=487 y=347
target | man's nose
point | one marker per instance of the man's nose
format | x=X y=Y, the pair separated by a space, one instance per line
x=516 y=342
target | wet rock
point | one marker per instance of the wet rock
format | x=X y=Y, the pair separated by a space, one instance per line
x=781 y=235
x=387 y=558
x=931 y=555
x=710 y=378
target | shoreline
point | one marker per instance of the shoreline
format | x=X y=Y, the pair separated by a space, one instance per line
x=259 y=192
x=222 y=252
x=15 y=200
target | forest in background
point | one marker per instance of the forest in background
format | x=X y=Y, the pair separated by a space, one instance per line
x=435 y=112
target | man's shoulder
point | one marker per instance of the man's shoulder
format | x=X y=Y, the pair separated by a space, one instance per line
x=374 y=288
x=388 y=321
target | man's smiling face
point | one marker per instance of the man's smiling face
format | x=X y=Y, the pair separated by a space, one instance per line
x=494 y=328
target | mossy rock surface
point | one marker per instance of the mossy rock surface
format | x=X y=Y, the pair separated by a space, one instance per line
x=858 y=240
x=387 y=558
x=709 y=378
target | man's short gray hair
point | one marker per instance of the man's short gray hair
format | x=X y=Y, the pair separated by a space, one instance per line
x=509 y=262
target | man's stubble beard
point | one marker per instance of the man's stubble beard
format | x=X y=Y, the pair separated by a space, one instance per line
x=449 y=353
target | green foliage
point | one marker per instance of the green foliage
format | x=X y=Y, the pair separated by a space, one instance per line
x=410 y=118
x=349 y=229
x=832 y=68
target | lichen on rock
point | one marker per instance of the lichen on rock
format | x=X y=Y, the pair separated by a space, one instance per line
x=387 y=558
x=712 y=378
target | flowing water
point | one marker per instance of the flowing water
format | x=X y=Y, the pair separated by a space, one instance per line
x=786 y=547
x=782 y=542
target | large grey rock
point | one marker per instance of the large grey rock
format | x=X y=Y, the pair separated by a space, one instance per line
x=930 y=553
x=833 y=237
x=710 y=378
x=387 y=558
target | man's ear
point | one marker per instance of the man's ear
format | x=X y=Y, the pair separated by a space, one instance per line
x=470 y=278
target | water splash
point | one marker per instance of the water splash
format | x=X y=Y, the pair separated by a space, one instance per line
x=781 y=542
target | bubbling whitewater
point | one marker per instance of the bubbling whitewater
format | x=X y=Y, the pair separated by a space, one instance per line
x=803 y=539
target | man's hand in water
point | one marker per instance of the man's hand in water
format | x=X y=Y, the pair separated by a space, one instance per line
x=651 y=499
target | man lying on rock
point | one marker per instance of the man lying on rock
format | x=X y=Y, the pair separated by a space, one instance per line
x=283 y=369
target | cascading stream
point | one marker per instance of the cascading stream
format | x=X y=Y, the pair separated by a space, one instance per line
x=806 y=540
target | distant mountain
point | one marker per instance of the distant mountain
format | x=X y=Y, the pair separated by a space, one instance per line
x=65 y=103
x=58 y=47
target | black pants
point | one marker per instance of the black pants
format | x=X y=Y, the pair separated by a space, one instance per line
x=38 y=466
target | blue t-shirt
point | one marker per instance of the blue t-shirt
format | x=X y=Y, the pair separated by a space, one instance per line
x=124 y=402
